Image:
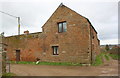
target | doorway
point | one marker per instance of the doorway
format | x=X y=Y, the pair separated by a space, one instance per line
x=17 y=55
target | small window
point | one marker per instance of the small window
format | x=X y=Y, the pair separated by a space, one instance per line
x=55 y=50
x=93 y=37
x=62 y=27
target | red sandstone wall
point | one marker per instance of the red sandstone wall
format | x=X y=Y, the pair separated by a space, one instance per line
x=95 y=44
x=30 y=48
x=74 y=45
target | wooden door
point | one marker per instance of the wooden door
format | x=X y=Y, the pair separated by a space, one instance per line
x=17 y=55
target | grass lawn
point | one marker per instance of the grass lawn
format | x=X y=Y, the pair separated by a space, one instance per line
x=100 y=57
x=8 y=75
x=98 y=61
x=48 y=63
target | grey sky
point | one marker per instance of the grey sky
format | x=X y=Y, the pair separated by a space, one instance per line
x=102 y=14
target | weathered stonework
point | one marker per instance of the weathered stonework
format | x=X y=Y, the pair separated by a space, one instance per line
x=79 y=44
x=0 y=56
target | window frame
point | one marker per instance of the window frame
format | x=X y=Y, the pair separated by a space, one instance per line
x=54 y=51
x=63 y=30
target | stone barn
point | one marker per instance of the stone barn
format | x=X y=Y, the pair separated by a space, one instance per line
x=66 y=37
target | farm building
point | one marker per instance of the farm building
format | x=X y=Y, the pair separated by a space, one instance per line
x=66 y=37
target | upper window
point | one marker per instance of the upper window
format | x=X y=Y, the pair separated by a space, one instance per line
x=62 y=27
x=55 y=50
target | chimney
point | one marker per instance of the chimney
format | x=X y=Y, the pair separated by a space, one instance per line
x=26 y=32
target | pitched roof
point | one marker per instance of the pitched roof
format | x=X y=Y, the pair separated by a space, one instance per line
x=71 y=10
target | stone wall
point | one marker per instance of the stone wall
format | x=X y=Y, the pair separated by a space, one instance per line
x=73 y=44
x=0 y=55
x=28 y=44
x=95 y=43
x=76 y=45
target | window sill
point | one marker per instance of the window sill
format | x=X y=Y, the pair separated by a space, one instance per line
x=55 y=55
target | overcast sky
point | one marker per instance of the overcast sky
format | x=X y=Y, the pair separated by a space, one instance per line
x=103 y=14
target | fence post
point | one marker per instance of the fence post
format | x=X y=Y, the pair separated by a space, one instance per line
x=2 y=55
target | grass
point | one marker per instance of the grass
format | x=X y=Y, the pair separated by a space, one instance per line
x=48 y=63
x=8 y=75
x=99 y=59
x=107 y=57
x=22 y=62
x=115 y=56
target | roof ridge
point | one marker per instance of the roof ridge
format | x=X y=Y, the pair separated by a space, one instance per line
x=61 y=4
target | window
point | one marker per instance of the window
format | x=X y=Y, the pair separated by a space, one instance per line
x=93 y=36
x=62 y=27
x=55 y=50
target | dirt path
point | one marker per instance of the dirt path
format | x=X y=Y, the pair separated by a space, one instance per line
x=108 y=69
